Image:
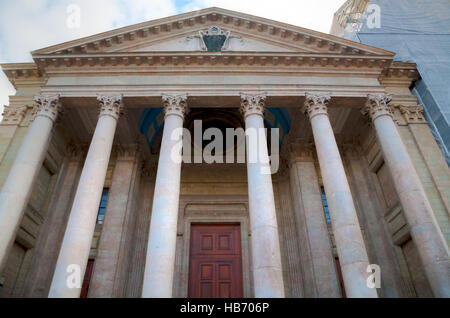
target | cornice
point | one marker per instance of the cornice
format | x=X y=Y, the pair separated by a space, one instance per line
x=76 y=62
x=399 y=74
x=23 y=73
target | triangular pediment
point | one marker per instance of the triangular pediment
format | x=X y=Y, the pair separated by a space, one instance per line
x=183 y=33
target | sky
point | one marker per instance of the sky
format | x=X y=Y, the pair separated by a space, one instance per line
x=27 y=25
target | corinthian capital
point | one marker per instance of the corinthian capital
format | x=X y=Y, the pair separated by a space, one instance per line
x=316 y=104
x=13 y=115
x=175 y=105
x=413 y=114
x=252 y=104
x=47 y=106
x=377 y=105
x=110 y=105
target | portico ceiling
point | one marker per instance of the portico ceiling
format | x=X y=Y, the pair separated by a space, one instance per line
x=78 y=124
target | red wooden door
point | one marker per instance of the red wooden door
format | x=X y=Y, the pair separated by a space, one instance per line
x=87 y=279
x=215 y=266
x=341 y=278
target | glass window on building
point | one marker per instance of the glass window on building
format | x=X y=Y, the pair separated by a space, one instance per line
x=102 y=207
x=325 y=205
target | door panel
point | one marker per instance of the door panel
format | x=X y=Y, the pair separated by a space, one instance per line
x=87 y=279
x=215 y=267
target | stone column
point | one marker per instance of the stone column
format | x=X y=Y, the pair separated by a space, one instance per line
x=344 y=221
x=19 y=184
x=76 y=245
x=160 y=261
x=321 y=269
x=114 y=230
x=266 y=257
x=425 y=232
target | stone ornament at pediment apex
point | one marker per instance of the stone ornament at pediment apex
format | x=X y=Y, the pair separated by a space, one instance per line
x=377 y=105
x=110 y=105
x=175 y=104
x=211 y=31
x=48 y=106
x=316 y=104
x=13 y=115
x=252 y=104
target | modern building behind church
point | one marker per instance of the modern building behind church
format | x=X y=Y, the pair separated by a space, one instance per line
x=417 y=31
x=96 y=200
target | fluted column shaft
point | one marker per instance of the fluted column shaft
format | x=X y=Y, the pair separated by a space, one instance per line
x=160 y=260
x=266 y=256
x=347 y=232
x=74 y=253
x=17 y=188
x=425 y=232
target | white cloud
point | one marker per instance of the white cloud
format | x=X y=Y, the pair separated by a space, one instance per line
x=6 y=89
x=27 y=25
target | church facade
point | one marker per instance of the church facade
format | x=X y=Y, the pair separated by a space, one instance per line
x=348 y=198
